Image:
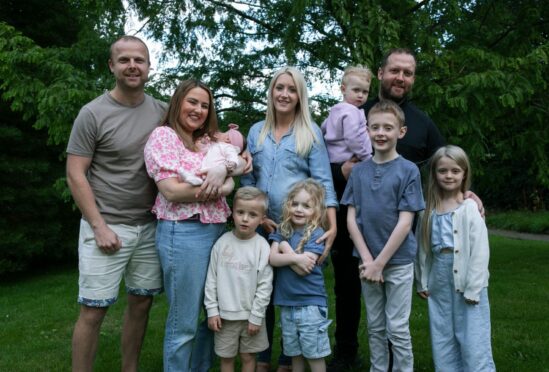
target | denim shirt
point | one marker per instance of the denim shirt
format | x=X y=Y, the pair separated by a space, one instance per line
x=276 y=167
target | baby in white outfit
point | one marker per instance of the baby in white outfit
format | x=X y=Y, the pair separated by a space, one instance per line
x=225 y=151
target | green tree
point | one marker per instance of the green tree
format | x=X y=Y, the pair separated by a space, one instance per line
x=487 y=90
x=482 y=67
x=49 y=67
x=482 y=71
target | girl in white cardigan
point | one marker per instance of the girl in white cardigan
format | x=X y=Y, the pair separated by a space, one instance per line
x=452 y=267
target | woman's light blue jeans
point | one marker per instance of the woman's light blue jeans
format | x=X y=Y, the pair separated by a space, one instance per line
x=184 y=249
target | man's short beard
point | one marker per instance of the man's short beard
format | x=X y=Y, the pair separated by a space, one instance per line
x=386 y=94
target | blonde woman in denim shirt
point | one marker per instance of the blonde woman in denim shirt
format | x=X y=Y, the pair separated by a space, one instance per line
x=288 y=147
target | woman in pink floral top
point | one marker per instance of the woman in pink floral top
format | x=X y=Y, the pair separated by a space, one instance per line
x=190 y=218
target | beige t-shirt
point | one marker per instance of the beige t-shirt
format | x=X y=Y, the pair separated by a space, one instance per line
x=114 y=136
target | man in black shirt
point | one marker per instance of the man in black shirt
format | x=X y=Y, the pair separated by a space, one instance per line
x=396 y=75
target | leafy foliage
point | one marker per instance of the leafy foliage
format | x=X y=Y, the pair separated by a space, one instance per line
x=482 y=67
x=488 y=97
x=482 y=72
x=49 y=67
x=35 y=223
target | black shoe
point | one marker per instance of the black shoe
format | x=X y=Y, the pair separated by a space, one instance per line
x=342 y=364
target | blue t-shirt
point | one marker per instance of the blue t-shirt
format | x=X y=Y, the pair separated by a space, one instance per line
x=292 y=289
x=379 y=192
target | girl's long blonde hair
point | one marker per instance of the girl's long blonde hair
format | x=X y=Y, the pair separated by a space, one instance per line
x=304 y=134
x=318 y=219
x=433 y=192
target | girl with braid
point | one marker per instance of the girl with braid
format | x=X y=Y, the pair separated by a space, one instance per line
x=300 y=292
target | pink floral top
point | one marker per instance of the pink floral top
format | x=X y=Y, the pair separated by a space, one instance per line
x=165 y=153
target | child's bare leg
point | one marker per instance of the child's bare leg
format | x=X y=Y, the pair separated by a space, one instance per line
x=227 y=364
x=317 y=365
x=298 y=363
x=248 y=362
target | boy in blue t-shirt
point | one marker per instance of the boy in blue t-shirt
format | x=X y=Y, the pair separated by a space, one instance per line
x=383 y=194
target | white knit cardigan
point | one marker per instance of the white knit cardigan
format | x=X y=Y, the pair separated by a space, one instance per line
x=471 y=253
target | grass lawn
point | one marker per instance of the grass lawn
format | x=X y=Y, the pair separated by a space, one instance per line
x=522 y=221
x=37 y=314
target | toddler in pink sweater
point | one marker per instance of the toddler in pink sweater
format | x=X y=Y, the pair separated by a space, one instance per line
x=345 y=128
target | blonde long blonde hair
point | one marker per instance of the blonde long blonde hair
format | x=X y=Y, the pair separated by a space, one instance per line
x=318 y=219
x=433 y=192
x=302 y=126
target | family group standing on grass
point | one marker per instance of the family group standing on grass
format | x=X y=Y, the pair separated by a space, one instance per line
x=130 y=155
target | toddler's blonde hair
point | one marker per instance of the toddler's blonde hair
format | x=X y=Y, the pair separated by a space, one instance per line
x=358 y=70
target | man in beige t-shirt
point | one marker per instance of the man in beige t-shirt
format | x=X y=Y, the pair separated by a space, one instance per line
x=108 y=181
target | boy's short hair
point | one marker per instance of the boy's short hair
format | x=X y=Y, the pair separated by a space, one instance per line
x=358 y=70
x=251 y=193
x=386 y=105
